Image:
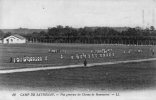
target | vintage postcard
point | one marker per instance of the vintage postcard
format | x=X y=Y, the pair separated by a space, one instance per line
x=78 y=49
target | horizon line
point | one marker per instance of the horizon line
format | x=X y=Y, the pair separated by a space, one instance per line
x=82 y=27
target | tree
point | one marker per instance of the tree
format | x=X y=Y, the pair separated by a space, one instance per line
x=7 y=34
x=1 y=34
x=152 y=28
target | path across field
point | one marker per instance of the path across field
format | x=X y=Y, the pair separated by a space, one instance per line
x=72 y=66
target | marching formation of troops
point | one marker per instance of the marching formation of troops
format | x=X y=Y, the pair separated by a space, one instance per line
x=99 y=53
x=131 y=50
x=94 y=54
x=56 y=51
x=138 y=51
x=27 y=59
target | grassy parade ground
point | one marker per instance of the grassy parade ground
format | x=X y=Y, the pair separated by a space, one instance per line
x=37 y=55
x=109 y=66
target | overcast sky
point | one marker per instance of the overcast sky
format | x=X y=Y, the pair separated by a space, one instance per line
x=75 y=13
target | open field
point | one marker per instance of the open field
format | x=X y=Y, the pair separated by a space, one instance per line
x=129 y=76
x=20 y=70
x=127 y=69
x=117 y=53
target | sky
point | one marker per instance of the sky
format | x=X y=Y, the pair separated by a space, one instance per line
x=76 y=13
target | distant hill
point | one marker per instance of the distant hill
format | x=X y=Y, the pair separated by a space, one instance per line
x=22 y=30
x=29 y=31
x=119 y=29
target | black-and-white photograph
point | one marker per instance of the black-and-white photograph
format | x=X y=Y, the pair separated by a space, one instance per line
x=65 y=49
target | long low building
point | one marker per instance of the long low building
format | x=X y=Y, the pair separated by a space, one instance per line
x=13 y=39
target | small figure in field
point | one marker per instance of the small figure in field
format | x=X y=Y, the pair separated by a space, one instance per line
x=85 y=62
x=14 y=60
x=11 y=59
x=153 y=51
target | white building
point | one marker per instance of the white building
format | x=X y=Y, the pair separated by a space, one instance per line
x=12 y=39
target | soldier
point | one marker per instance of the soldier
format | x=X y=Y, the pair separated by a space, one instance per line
x=24 y=59
x=17 y=60
x=46 y=58
x=77 y=56
x=10 y=59
x=72 y=57
x=49 y=51
x=85 y=62
x=109 y=54
x=14 y=60
x=81 y=56
x=100 y=55
x=113 y=54
x=153 y=51
x=89 y=56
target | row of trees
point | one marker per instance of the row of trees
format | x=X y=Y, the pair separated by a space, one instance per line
x=3 y=35
x=109 y=35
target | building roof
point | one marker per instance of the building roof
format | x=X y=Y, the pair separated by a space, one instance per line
x=17 y=36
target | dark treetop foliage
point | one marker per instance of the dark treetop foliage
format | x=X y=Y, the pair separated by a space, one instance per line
x=68 y=34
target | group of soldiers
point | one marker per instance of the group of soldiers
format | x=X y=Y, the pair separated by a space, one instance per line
x=27 y=59
x=131 y=50
x=94 y=54
x=56 y=51
x=139 y=51
x=91 y=55
x=99 y=53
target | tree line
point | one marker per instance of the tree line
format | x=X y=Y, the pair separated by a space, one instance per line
x=99 y=35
